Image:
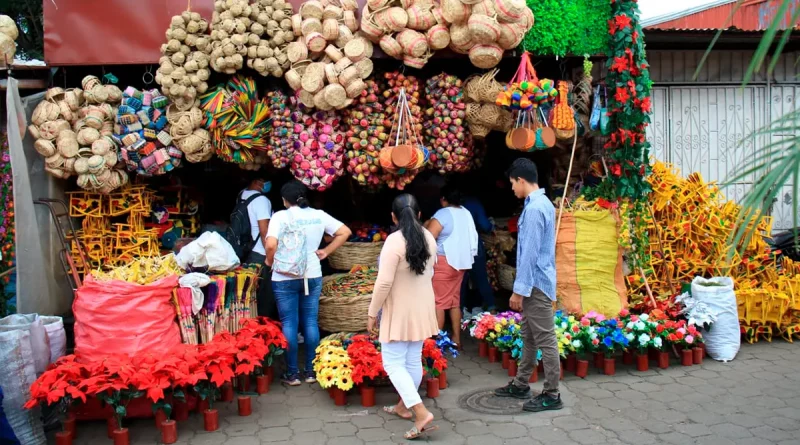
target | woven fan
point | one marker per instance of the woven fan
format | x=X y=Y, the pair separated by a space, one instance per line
x=237 y=120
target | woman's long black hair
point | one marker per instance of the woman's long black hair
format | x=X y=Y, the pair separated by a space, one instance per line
x=294 y=192
x=406 y=210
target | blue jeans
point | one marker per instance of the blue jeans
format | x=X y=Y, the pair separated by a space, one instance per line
x=297 y=309
x=480 y=279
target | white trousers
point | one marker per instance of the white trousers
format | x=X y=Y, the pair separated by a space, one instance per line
x=402 y=360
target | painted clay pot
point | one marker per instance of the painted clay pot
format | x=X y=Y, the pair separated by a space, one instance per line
x=598 y=360
x=226 y=395
x=181 y=411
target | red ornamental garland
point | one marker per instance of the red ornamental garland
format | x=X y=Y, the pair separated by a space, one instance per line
x=628 y=80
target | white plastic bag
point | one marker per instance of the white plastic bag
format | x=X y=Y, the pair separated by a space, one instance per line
x=56 y=335
x=17 y=374
x=209 y=250
x=724 y=338
x=40 y=347
x=195 y=281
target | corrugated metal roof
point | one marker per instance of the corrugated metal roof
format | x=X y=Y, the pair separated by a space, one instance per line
x=750 y=15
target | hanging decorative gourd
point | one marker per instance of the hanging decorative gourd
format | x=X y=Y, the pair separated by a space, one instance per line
x=562 y=117
x=444 y=131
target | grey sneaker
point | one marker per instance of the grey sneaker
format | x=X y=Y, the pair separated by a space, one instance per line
x=543 y=402
x=311 y=377
x=511 y=390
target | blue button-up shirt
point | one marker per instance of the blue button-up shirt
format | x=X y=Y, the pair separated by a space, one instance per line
x=536 y=247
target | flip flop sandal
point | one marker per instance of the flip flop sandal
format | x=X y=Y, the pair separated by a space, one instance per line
x=393 y=410
x=414 y=433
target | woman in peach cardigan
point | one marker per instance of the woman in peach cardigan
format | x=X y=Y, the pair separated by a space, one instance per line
x=403 y=296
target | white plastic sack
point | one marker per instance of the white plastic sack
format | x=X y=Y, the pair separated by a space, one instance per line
x=209 y=250
x=56 y=335
x=724 y=338
x=17 y=374
x=38 y=338
x=195 y=281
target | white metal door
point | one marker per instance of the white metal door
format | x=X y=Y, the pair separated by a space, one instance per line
x=711 y=132
x=783 y=100
x=657 y=132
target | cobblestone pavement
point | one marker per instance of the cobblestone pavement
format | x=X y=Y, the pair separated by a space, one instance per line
x=752 y=400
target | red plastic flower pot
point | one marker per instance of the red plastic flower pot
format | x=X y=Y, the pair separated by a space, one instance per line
x=432 y=387
x=443 y=380
x=244 y=383
x=245 y=406
x=262 y=384
x=202 y=405
x=160 y=417
x=663 y=360
x=512 y=368
x=210 y=420
x=492 y=355
x=68 y=426
x=598 y=360
x=63 y=438
x=111 y=425
x=505 y=358
x=572 y=362
x=483 y=349
x=686 y=357
x=181 y=411
x=121 y=437
x=627 y=357
x=642 y=362
x=697 y=356
x=226 y=393
x=609 y=366
x=367 y=396
x=339 y=397
x=582 y=368
x=169 y=431
x=534 y=376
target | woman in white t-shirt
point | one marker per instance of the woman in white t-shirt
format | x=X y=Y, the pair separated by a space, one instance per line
x=457 y=245
x=298 y=297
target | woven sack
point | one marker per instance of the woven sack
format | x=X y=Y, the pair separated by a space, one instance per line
x=505 y=276
x=391 y=47
x=484 y=29
x=510 y=11
x=438 y=37
x=413 y=43
x=485 y=56
x=454 y=11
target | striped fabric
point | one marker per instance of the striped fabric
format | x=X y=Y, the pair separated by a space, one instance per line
x=536 y=247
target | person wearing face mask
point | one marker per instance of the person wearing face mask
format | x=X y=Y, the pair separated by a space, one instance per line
x=259 y=210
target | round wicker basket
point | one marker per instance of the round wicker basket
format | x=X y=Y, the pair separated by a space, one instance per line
x=342 y=313
x=355 y=254
x=505 y=276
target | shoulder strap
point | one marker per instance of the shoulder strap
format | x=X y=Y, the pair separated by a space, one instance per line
x=250 y=199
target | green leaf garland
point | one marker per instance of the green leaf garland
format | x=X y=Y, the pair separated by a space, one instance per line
x=563 y=27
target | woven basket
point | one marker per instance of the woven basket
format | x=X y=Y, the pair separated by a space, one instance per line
x=455 y=12
x=339 y=313
x=438 y=37
x=355 y=254
x=414 y=43
x=505 y=276
x=485 y=56
x=485 y=30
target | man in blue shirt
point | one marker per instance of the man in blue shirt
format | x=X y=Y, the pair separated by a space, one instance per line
x=535 y=290
x=478 y=275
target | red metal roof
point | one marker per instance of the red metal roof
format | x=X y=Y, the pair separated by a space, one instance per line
x=751 y=15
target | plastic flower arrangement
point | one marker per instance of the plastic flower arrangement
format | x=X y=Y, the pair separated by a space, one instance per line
x=471 y=323
x=433 y=361
x=446 y=345
x=332 y=365
x=365 y=359
x=587 y=335
x=612 y=337
x=642 y=333
x=484 y=326
x=566 y=328
x=504 y=333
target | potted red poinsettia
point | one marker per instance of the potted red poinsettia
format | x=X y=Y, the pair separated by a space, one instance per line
x=270 y=333
x=366 y=365
x=61 y=386
x=251 y=350
x=113 y=382
x=217 y=359
x=433 y=362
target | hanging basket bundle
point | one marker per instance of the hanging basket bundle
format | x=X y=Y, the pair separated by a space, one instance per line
x=405 y=30
x=562 y=116
x=526 y=91
x=318 y=149
x=366 y=135
x=444 y=130
x=183 y=67
x=281 y=139
x=237 y=120
x=406 y=153
x=531 y=132
x=142 y=129
x=482 y=114
x=76 y=137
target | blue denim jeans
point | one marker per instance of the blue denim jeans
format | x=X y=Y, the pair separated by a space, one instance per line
x=480 y=280
x=299 y=310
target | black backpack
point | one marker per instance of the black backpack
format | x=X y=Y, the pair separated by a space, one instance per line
x=238 y=233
